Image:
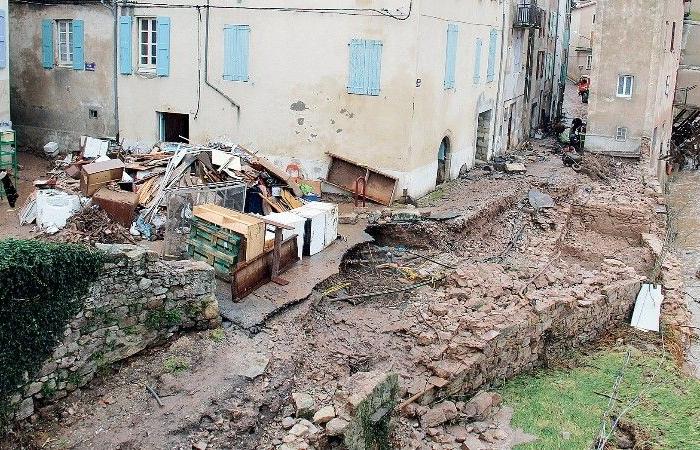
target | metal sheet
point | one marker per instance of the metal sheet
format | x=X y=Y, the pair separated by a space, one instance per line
x=647 y=309
x=343 y=173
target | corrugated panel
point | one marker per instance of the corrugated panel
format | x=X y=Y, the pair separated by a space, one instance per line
x=47 y=43
x=163 y=46
x=125 y=59
x=78 y=45
x=451 y=55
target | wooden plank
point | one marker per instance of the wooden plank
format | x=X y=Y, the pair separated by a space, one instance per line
x=250 y=275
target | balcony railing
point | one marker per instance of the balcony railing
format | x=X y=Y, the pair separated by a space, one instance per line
x=529 y=15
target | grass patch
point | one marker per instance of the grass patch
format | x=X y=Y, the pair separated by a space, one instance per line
x=551 y=402
x=217 y=335
x=176 y=364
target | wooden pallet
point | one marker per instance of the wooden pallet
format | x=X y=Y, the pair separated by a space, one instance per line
x=250 y=228
x=218 y=246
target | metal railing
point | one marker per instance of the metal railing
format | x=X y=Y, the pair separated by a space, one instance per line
x=529 y=15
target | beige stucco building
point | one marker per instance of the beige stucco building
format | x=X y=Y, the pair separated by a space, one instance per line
x=295 y=103
x=583 y=15
x=631 y=102
x=414 y=88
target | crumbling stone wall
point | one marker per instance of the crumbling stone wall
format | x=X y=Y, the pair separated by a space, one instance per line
x=608 y=217
x=137 y=302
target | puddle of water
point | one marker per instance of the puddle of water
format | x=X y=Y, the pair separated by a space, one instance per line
x=684 y=200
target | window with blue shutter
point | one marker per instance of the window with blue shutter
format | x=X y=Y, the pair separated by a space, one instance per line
x=3 y=39
x=491 y=70
x=47 y=43
x=125 y=59
x=451 y=56
x=163 y=46
x=78 y=45
x=477 y=61
x=365 y=72
x=236 y=52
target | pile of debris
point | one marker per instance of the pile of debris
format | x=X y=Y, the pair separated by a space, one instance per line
x=134 y=188
x=90 y=226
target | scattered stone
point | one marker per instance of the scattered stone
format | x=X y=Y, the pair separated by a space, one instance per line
x=336 y=427
x=299 y=430
x=304 y=405
x=472 y=443
x=540 y=200
x=288 y=422
x=479 y=407
x=439 y=414
x=200 y=445
x=515 y=168
x=324 y=414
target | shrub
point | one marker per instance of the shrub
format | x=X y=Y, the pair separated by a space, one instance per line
x=42 y=287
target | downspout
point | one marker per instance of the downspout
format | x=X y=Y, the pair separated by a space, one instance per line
x=501 y=80
x=115 y=73
x=206 y=69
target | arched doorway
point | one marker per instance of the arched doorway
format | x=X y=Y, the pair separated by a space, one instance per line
x=443 y=170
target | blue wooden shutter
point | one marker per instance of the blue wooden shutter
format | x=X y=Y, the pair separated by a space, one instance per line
x=78 y=45
x=236 y=52
x=451 y=56
x=3 y=39
x=163 y=46
x=229 y=47
x=356 y=74
x=477 y=61
x=373 y=52
x=47 y=43
x=493 y=41
x=125 y=60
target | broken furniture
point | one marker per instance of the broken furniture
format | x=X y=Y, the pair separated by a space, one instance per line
x=218 y=246
x=344 y=174
x=95 y=175
x=120 y=206
x=253 y=273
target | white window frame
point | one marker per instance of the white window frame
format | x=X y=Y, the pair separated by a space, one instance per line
x=626 y=82
x=621 y=134
x=64 y=42
x=589 y=62
x=147 y=41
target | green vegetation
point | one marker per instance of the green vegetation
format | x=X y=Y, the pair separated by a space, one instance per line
x=176 y=364
x=553 y=403
x=217 y=335
x=162 y=318
x=42 y=289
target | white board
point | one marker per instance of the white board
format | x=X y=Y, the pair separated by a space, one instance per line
x=94 y=148
x=647 y=309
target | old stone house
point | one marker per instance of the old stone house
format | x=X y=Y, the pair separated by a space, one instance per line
x=583 y=16
x=62 y=71
x=413 y=88
x=631 y=103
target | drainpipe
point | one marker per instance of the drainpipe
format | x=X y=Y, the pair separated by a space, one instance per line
x=206 y=69
x=115 y=74
x=501 y=81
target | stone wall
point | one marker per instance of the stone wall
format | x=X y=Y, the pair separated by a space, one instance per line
x=138 y=301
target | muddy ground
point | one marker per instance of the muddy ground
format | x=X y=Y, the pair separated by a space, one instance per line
x=232 y=389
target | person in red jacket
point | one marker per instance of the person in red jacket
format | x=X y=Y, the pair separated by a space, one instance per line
x=584 y=85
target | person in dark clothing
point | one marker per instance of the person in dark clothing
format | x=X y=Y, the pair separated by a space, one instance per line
x=8 y=187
